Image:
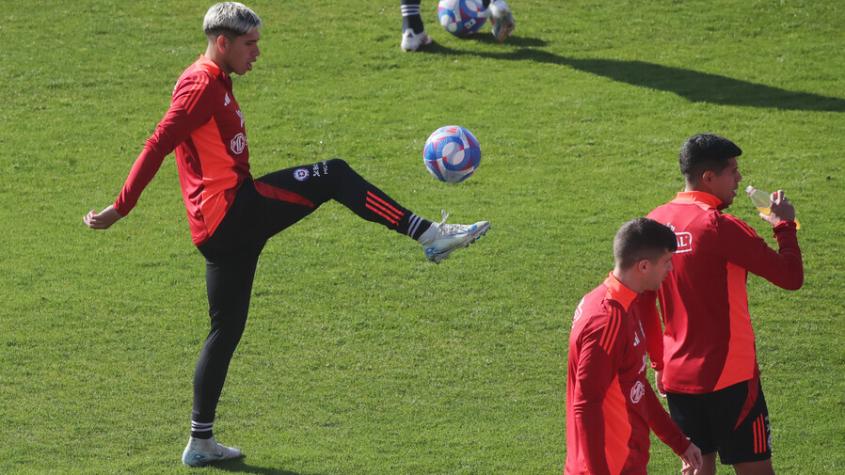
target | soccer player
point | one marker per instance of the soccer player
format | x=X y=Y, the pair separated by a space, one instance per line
x=231 y=215
x=706 y=357
x=414 y=36
x=610 y=405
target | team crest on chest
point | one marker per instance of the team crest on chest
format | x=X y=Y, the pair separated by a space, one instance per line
x=637 y=392
x=238 y=143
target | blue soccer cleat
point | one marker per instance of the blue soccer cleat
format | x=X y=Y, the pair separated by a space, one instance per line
x=442 y=239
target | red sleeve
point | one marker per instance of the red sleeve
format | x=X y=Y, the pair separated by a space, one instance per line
x=645 y=309
x=663 y=425
x=188 y=110
x=597 y=366
x=742 y=246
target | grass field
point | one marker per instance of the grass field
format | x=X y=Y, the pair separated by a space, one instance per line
x=361 y=357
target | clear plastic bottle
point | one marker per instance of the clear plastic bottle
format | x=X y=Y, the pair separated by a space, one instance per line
x=762 y=201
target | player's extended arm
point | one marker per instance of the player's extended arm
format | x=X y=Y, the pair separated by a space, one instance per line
x=143 y=171
x=188 y=110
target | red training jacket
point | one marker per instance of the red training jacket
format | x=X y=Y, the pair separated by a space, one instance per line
x=205 y=126
x=708 y=342
x=610 y=405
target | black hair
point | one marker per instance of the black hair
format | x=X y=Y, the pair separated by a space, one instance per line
x=705 y=152
x=642 y=238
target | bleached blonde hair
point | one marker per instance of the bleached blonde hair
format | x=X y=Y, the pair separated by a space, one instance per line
x=231 y=19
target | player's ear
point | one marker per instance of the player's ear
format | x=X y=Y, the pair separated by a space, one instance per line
x=221 y=43
x=707 y=176
x=643 y=265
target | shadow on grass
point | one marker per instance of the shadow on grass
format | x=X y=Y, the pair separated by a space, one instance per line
x=240 y=466
x=692 y=85
x=521 y=41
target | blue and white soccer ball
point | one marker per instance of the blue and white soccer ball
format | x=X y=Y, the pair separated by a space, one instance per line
x=451 y=154
x=461 y=17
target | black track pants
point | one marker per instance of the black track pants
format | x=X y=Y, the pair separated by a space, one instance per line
x=261 y=209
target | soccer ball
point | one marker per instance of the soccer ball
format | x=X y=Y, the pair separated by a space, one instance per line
x=461 y=17
x=451 y=154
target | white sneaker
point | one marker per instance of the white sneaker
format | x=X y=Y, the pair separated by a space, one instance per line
x=413 y=41
x=502 y=18
x=442 y=239
x=200 y=452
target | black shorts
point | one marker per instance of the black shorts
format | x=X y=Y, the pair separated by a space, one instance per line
x=733 y=421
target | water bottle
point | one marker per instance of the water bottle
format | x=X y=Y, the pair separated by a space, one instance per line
x=762 y=201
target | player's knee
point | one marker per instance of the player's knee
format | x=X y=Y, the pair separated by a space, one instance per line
x=230 y=323
x=338 y=166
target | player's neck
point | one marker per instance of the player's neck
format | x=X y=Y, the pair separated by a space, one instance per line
x=628 y=279
x=214 y=55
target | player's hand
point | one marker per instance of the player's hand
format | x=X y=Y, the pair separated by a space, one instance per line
x=103 y=219
x=691 y=459
x=782 y=209
x=658 y=381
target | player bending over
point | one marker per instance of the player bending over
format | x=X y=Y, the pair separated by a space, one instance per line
x=231 y=215
x=610 y=405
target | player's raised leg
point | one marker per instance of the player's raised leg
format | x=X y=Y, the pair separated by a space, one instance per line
x=314 y=184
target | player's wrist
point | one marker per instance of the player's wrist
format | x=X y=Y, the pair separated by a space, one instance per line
x=784 y=224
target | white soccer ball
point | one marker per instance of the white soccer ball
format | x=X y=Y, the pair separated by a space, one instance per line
x=451 y=154
x=461 y=17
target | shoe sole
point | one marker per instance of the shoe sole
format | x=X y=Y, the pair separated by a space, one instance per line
x=436 y=258
x=422 y=45
x=206 y=462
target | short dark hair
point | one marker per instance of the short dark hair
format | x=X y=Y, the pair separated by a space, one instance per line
x=706 y=152
x=642 y=238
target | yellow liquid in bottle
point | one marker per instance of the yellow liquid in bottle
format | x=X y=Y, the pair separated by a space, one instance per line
x=768 y=211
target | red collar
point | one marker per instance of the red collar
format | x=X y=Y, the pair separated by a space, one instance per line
x=210 y=66
x=700 y=198
x=617 y=291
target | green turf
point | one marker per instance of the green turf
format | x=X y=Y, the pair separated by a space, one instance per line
x=361 y=357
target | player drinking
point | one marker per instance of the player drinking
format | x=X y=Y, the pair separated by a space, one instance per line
x=706 y=357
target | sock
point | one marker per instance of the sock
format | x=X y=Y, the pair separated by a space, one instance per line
x=201 y=430
x=413 y=226
x=411 y=18
x=428 y=233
